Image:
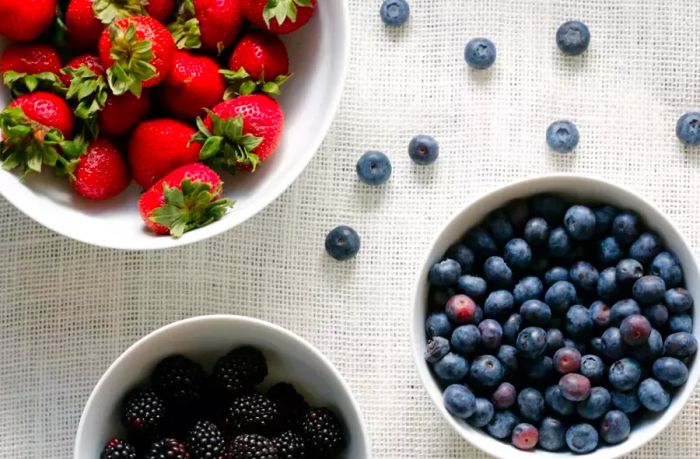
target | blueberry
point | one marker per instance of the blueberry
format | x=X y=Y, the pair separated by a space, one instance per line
x=508 y=355
x=624 y=374
x=394 y=12
x=518 y=211
x=580 y=222
x=531 y=342
x=556 y=401
x=438 y=324
x=578 y=345
x=452 y=367
x=444 y=273
x=511 y=328
x=423 y=150
x=680 y=323
x=550 y=207
x=575 y=387
x=480 y=53
x=582 y=438
x=600 y=313
x=666 y=266
x=461 y=309
x=552 y=434
x=573 y=37
x=622 y=309
x=626 y=227
x=628 y=271
x=688 y=129
x=466 y=339
x=531 y=404
x=528 y=288
x=555 y=340
x=653 y=396
x=498 y=304
x=555 y=274
x=649 y=289
x=517 y=253
x=610 y=251
x=481 y=243
x=607 y=285
x=651 y=350
x=635 y=330
x=592 y=367
x=525 y=436
x=472 y=286
x=604 y=217
x=437 y=348
x=578 y=321
x=497 y=272
x=595 y=405
x=535 y=312
x=504 y=396
x=502 y=424
x=500 y=226
x=462 y=255
x=615 y=427
x=540 y=368
x=562 y=136
x=584 y=276
x=597 y=346
x=486 y=370
x=680 y=345
x=567 y=360
x=491 y=334
x=670 y=371
x=482 y=414
x=558 y=243
x=374 y=168
x=627 y=402
x=536 y=232
x=560 y=296
x=645 y=248
x=459 y=401
x=342 y=243
x=678 y=300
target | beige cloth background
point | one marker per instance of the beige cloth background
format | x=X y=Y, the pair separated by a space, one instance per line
x=68 y=309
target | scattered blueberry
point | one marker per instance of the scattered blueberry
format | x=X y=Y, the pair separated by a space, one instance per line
x=504 y=396
x=438 y=324
x=596 y=405
x=580 y=222
x=567 y=360
x=552 y=434
x=525 y=436
x=563 y=136
x=536 y=232
x=508 y=356
x=600 y=313
x=645 y=248
x=555 y=274
x=653 y=396
x=582 y=438
x=648 y=289
x=624 y=374
x=502 y=424
x=498 y=304
x=573 y=37
x=451 y=368
x=462 y=255
x=666 y=266
x=670 y=371
x=394 y=12
x=528 y=288
x=517 y=253
x=444 y=273
x=491 y=334
x=472 y=286
x=460 y=309
x=607 y=284
x=497 y=272
x=487 y=371
x=680 y=323
x=680 y=345
x=374 y=168
x=584 y=276
x=615 y=427
x=592 y=367
x=535 y=312
x=635 y=330
x=558 y=243
x=480 y=53
x=622 y=309
x=482 y=414
x=342 y=243
x=466 y=339
x=628 y=271
x=437 y=348
x=610 y=251
x=575 y=387
x=688 y=129
x=678 y=300
x=511 y=328
x=423 y=150
x=579 y=322
x=560 y=296
x=556 y=401
x=627 y=402
x=531 y=342
x=459 y=401
x=625 y=227
x=531 y=404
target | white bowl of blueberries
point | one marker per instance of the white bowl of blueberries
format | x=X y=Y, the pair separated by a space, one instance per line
x=556 y=314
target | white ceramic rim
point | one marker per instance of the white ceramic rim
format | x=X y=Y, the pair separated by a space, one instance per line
x=416 y=324
x=225 y=317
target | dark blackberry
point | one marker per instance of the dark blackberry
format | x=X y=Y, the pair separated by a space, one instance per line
x=167 y=448
x=118 y=449
x=239 y=370
x=290 y=403
x=205 y=441
x=178 y=380
x=143 y=412
x=253 y=446
x=290 y=445
x=322 y=431
x=252 y=413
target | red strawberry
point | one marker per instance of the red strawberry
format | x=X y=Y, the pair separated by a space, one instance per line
x=87 y=88
x=258 y=63
x=28 y=67
x=160 y=10
x=137 y=52
x=240 y=133
x=25 y=20
x=159 y=146
x=278 y=16
x=194 y=83
x=84 y=28
x=91 y=61
x=101 y=172
x=211 y=25
x=48 y=110
x=121 y=113
x=185 y=199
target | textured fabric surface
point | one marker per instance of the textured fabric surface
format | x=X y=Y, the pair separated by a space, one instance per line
x=67 y=310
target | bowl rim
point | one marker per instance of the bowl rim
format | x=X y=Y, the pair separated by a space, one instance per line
x=421 y=367
x=270 y=195
x=274 y=328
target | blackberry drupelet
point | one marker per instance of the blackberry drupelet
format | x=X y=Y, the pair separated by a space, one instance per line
x=323 y=432
x=167 y=448
x=205 y=441
x=290 y=445
x=118 y=449
x=178 y=379
x=143 y=413
x=253 y=446
x=291 y=404
x=252 y=413
x=240 y=369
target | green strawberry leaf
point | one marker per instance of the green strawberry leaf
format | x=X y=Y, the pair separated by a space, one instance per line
x=226 y=145
x=242 y=84
x=108 y=11
x=22 y=83
x=132 y=61
x=185 y=29
x=89 y=92
x=281 y=10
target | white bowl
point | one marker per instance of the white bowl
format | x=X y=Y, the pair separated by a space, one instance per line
x=204 y=339
x=318 y=56
x=582 y=189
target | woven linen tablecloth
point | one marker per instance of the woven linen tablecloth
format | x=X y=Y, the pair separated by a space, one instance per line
x=67 y=310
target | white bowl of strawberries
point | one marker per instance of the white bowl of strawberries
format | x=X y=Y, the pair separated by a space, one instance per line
x=145 y=125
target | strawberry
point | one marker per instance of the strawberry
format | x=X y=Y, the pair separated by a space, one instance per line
x=259 y=63
x=158 y=146
x=34 y=131
x=211 y=25
x=240 y=133
x=121 y=113
x=28 y=67
x=185 y=199
x=91 y=61
x=194 y=83
x=25 y=20
x=278 y=16
x=101 y=172
x=84 y=28
x=137 y=52
x=87 y=88
x=160 y=10
x=108 y=11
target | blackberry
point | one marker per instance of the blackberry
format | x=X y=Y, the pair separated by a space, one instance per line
x=253 y=446
x=290 y=403
x=205 y=441
x=290 y=445
x=240 y=369
x=143 y=412
x=322 y=431
x=118 y=449
x=167 y=448
x=178 y=380
x=252 y=413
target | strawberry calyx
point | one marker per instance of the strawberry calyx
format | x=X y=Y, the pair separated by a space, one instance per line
x=132 y=61
x=185 y=29
x=89 y=91
x=226 y=145
x=22 y=83
x=191 y=206
x=30 y=144
x=108 y=11
x=242 y=84
x=281 y=10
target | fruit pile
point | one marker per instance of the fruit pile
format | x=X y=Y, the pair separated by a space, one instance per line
x=164 y=93
x=186 y=414
x=559 y=325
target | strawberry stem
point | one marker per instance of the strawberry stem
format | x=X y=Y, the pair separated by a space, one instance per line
x=108 y=11
x=132 y=61
x=281 y=10
x=242 y=84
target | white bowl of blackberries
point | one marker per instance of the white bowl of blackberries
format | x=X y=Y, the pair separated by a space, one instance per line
x=221 y=387
x=556 y=315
